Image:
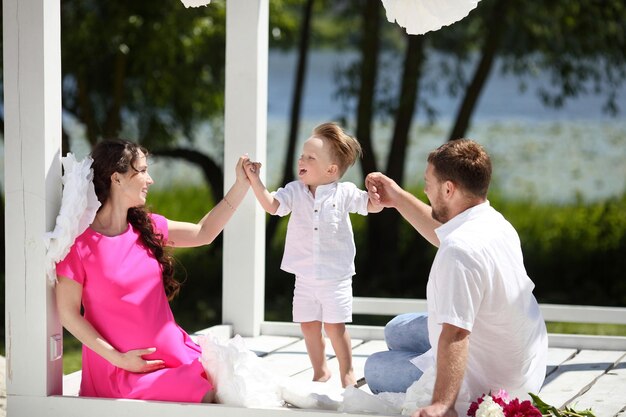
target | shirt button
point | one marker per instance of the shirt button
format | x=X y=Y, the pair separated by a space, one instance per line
x=316 y=228
x=315 y=210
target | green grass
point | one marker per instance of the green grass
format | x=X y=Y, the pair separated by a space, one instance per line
x=587 y=328
x=183 y=203
x=72 y=355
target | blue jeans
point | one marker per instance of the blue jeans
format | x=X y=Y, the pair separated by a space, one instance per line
x=406 y=336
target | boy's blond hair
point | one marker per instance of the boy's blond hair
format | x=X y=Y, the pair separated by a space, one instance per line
x=345 y=148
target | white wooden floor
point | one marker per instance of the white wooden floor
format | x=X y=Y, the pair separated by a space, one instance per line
x=579 y=378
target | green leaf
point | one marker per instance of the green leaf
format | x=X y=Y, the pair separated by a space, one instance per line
x=550 y=410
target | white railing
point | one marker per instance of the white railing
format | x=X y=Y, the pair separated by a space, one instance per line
x=551 y=313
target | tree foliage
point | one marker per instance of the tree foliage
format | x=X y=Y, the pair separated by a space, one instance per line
x=155 y=73
x=580 y=45
x=159 y=70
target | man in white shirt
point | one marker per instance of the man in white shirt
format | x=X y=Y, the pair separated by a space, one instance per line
x=484 y=324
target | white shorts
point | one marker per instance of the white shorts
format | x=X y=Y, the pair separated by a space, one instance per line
x=328 y=301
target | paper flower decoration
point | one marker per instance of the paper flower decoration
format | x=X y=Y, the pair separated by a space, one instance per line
x=195 y=3
x=421 y=16
x=79 y=205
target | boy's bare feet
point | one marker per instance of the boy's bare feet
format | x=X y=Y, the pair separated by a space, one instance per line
x=348 y=379
x=322 y=376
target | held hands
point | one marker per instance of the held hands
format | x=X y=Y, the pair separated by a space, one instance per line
x=382 y=190
x=267 y=200
x=252 y=170
x=240 y=171
x=133 y=361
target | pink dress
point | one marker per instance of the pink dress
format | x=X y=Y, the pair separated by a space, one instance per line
x=124 y=299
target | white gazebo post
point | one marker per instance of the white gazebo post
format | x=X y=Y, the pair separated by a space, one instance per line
x=32 y=139
x=245 y=132
x=32 y=113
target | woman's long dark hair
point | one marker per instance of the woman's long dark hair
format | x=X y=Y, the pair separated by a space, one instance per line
x=118 y=155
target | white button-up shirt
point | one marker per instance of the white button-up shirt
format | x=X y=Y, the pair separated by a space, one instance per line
x=320 y=242
x=478 y=282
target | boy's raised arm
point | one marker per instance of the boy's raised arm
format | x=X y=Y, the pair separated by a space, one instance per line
x=265 y=198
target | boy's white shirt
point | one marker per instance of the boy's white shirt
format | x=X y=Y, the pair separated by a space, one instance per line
x=320 y=241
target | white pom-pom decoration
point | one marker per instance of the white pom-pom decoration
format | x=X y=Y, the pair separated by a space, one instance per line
x=421 y=16
x=195 y=3
x=79 y=205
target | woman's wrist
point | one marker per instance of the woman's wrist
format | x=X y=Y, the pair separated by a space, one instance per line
x=115 y=358
x=228 y=204
x=245 y=182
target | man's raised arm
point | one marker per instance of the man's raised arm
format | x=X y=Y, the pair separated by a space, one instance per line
x=386 y=192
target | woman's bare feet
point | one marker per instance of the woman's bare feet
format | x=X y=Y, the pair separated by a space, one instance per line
x=209 y=397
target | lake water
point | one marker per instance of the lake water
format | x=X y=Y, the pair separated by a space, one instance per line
x=538 y=152
x=548 y=161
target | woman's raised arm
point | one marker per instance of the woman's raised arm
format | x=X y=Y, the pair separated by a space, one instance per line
x=184 y=234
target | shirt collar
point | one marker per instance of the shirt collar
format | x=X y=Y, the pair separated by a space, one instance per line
x=451 y=225
x=322 y=190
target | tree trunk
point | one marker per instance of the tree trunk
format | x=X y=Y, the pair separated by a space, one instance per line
x=296 y=105
x=65 y=143
x=404 y=114
x=369 y=68
x=497 y=26
x=85 y=110
x=2 y=235
x=383 y=233
x=370 y=48
x=113 y=123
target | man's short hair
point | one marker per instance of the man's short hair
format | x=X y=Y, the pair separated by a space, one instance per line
x=465 y=163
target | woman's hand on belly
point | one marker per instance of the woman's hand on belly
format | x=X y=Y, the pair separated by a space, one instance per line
x=133 y=361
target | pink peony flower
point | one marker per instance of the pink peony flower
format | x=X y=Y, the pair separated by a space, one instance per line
x=503 y=395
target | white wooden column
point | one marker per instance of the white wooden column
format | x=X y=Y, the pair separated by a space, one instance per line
x=32 y=116
x=245 y=132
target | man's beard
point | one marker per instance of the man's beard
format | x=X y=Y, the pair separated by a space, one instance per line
x=441 y=214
